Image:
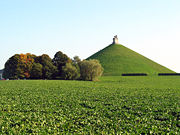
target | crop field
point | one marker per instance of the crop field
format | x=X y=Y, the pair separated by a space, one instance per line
x=114 y=105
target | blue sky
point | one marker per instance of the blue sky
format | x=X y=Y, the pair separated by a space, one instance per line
x=79 y=27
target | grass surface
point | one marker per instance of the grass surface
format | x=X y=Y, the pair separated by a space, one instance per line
x=115 y=105
x=117 y=59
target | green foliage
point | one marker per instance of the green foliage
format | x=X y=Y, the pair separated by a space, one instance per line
x=90 y=70
x=19 y=66
x=117 y=59
x=36 y=71
x=11 y=69
x=29 y=66
x=115 y=105
x=70 y=72
x=41 y=67
x=48 y=70
x=60 y=60
x=76 y=60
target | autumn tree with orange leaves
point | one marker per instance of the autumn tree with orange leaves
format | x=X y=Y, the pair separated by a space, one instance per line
x=19 y=66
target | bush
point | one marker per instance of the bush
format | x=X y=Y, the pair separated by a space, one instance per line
x=90 y=70
x=70 y=72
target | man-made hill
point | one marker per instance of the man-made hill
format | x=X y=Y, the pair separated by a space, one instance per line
x=117 y=59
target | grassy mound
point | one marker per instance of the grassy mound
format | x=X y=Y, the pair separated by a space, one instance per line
x=117 y=59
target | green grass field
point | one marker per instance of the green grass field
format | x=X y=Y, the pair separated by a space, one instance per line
x=117 y=59
x=114 y=105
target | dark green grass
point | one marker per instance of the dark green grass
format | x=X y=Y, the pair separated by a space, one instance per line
x=115 y=105
x=117 y=59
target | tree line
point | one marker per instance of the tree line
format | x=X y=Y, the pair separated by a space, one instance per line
x=30 y=66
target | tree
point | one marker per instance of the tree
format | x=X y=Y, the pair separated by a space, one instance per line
x=26 y=63
x=76 y=60
x=19 y=66
x=12 y=69
x=60 y=60
x=48 y=70
x=90 y=69
x=36 y=71
x=70 y=72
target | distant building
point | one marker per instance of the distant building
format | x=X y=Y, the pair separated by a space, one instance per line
x=115 y=40
x=1 y=72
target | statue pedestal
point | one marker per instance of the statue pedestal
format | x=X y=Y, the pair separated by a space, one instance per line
x=115 y=40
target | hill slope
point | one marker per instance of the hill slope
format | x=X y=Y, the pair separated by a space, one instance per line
x=117 y=59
